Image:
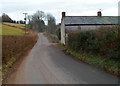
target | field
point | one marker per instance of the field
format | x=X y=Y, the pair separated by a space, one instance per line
x=14 y=24
x=7 y=30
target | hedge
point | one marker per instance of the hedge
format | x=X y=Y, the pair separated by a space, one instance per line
x=13 y=45
x=103 y=41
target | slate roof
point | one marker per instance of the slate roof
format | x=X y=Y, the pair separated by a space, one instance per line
x=90 y=20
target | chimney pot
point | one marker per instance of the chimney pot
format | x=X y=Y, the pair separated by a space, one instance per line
x=63 y=14
x=99 y=13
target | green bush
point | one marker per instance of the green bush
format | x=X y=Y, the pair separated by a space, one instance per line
x=58 y=33
x=103 y=41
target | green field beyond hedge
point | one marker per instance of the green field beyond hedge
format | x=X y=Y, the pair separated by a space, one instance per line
x=7 y=30
x=14 y=24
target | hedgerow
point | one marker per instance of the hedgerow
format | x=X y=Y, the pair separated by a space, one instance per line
x=14 y=45
x=103 y=41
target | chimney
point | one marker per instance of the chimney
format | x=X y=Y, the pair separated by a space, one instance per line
x=63 y=14
x=99 y=13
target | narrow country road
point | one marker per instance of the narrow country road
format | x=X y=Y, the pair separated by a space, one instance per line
x=46 y=64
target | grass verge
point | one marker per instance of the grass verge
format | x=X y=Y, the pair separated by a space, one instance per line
x=111 y=66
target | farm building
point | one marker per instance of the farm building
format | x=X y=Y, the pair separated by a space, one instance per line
x=76 y=23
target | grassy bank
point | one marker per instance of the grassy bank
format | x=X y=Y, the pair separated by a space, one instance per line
x=111 y=66
x=99 y=47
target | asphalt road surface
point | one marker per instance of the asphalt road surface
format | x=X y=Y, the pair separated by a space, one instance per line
x=46 y=64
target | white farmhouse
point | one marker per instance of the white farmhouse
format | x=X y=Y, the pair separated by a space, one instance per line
x=76 y=23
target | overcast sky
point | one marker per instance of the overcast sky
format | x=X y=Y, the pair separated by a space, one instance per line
x=16 y=8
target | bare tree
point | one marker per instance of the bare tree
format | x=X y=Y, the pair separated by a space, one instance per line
x=51 y=23
x=37 y=21
x=41 y=15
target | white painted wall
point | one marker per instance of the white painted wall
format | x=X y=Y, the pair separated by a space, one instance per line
x=93 y=27
x=66 y=29
x=84 y=27
x=62 y=31
x=72 y=28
